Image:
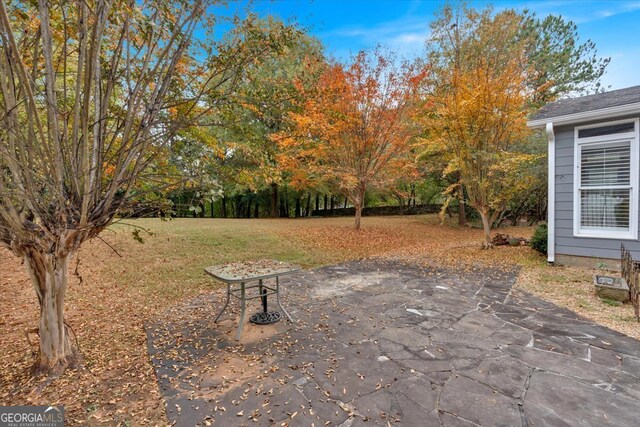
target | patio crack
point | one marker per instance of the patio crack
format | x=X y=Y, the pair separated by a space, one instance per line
x=525 y=388
x=456 y=416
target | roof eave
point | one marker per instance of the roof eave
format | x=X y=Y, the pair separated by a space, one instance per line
x=603 y=113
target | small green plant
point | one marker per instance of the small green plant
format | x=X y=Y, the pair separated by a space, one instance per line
x=611 y=302
x=601 y=265
x=539 y=239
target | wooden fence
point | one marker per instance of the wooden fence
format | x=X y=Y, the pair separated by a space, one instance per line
x=630 y=271
x=380 y=210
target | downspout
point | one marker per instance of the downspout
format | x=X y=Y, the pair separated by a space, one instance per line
x=551 y=194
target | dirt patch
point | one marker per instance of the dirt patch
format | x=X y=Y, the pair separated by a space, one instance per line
x=347 y=284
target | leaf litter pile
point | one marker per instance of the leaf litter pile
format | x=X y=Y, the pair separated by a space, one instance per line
x=115 y=296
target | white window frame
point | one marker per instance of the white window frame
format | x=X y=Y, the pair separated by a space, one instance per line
x=617 y=138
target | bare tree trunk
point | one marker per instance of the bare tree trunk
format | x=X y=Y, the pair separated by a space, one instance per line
x=281 y=212
x=358 y=203
x=358 y=215
x=49 y=275
x=307 y=210
x=287 y=213
x=298 y=211
x=413 y=194
x=486 y=225
x=237 y=206
x=462 y=216
x=273 y=212
x=75 y=139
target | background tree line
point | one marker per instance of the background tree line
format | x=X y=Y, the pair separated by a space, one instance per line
x=279 y=137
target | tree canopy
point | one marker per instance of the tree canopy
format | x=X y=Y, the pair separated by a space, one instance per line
x=354 y=129
x=478 y=105
x=561 y=65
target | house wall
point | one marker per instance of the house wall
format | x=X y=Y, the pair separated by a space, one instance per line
x=569 y=248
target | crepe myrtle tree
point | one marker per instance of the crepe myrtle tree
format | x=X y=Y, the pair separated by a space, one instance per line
x=90 y=93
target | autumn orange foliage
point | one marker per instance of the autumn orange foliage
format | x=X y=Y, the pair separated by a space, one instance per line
x=478 y=112
x=354 y=130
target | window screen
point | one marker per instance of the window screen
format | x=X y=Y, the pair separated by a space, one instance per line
x=605 y=187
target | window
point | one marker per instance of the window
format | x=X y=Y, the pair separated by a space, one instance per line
x=606 y=130
x=606 y=180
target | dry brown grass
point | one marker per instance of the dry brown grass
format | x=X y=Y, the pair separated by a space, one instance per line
x=572 y=287
x=118 y=294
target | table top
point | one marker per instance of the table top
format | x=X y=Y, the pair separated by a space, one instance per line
x=244 y=271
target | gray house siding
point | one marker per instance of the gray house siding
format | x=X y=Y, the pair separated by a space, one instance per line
x=566 y=243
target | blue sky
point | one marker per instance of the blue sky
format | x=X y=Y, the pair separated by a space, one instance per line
x=350 y=25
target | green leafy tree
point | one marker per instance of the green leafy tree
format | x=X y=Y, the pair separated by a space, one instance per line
x=269 y=91
x=561 y=64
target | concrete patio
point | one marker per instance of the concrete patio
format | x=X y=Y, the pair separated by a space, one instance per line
x=385 y=343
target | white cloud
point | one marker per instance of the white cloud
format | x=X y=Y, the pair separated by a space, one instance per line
x=409 y=38
x=407 y=44
x=405 y=36
x=595 y=11
x=605 y=13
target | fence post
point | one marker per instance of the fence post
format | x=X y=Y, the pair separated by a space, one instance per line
x=630 y=269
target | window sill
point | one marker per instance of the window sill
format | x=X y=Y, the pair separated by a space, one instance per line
x=612 y=235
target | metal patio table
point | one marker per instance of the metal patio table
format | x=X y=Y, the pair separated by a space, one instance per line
x=241 y=273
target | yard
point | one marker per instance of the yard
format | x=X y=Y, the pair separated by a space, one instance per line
x=121 y=284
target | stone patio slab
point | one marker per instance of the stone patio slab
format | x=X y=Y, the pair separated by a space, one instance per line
x=478 y=403
x=501 y=374
x=556 y=400
x=381 y=342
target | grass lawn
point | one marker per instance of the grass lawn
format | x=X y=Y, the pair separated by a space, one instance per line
x=122 y=284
